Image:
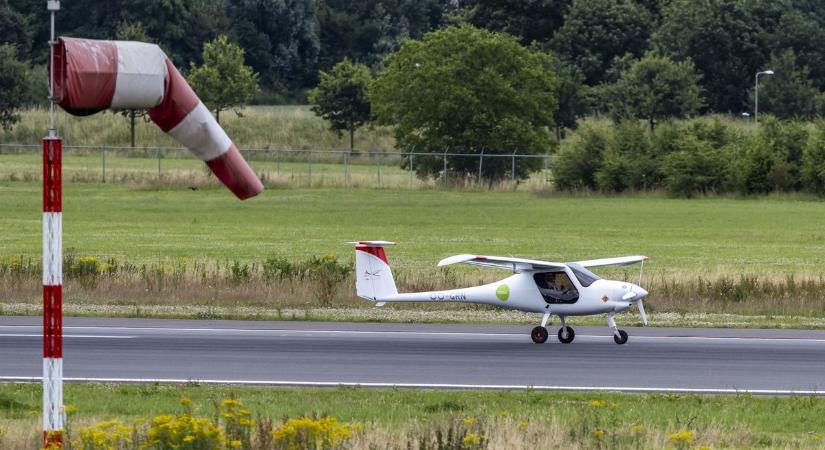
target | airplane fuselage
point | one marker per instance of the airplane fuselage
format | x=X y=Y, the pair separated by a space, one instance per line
x=520 y=292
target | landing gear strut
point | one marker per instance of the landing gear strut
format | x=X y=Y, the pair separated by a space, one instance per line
x=619 y=336
x=566 y=334
x=539 y=333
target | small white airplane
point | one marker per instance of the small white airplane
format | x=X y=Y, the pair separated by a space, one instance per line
x=562 y=289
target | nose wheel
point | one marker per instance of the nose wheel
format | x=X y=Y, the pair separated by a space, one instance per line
x=539 y=334
x=620 y=338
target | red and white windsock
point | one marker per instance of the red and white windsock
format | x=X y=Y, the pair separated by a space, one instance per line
x=93 y=75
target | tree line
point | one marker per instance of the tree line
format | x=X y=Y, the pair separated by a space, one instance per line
x=288 y=42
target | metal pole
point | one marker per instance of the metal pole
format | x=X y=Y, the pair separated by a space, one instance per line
x=309 y=160
x=411 y=169
x=513 y=169
x=480 y=162
x=378 y=167
x=52 y=266
x=346 y=168
x=445 y=169
x=756 y=100
x=546 y=165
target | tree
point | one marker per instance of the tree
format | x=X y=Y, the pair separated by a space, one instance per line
x=530 y=20
x=467 y=90
x=281 y=39
x=223 y=81
x=597 y=31
x=341 y=97
x=789 y=92
x=14 y=29
x=13 y=85
x=572 y=95
x=727 y=40
x=655 y=88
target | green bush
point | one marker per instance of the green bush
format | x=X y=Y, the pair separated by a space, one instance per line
x=813 y=162
x=575 y=165
x=696 y=168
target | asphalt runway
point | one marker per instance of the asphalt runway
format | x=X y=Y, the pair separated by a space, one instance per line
x=424 y=356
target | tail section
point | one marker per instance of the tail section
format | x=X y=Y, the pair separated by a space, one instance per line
x=374 y=278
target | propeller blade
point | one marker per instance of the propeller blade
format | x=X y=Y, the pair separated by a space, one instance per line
x=629 y=296
x=642 y=311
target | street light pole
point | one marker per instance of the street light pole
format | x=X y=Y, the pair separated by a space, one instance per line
x=756 y=94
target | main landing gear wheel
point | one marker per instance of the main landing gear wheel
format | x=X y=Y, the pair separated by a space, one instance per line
x=621 y=338
x=539 y=335
x=570 y=335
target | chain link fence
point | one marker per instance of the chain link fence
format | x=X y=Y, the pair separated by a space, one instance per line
x=172 y=165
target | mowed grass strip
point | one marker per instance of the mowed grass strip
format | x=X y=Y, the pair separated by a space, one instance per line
x=740 y=421
x=682 y=237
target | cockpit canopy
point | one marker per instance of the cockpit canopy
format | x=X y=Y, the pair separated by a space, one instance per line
x=585 y=277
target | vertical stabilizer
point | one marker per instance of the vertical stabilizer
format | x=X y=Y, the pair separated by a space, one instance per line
x=374 y=278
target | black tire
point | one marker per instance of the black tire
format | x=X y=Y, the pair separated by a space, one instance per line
x=539 y=335
x=570 y=335
x=621 y=338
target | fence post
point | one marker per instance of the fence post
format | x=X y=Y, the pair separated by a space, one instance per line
x=378 y=167
x=411 y=169
x=346 y=168
x=103 y=162
x=158 y=155
x=445 y=169
x=278 y=162
x=309 y=160
x=546 y=164
x=513 y=169
x=480 y=163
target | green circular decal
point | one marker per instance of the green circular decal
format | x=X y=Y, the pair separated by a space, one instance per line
x=503 y=292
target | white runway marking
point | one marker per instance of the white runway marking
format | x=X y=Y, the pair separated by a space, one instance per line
x=86 y=336
x=23 y=379
x=284 y=333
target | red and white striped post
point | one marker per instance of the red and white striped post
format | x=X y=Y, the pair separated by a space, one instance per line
x=52 y=267
x=52 y=292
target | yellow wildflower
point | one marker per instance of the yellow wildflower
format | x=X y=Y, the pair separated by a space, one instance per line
x=470 y=421
x=235 y=444
x=597 y=403
x=523 y=424
x=472 y=440
x=69 y=409
x=636 y=429
x=598 y=433
x=681 y=439
x=184 y=401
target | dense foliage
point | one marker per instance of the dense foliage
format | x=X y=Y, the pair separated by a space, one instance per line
x=471 y=91
x=694 y=157
x=289 y=41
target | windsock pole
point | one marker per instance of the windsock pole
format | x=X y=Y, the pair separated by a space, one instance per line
x=53 y=415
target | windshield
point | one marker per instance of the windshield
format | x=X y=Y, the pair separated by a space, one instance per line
x=585 y=277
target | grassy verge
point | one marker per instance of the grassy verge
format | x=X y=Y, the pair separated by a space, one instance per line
x=394 y=418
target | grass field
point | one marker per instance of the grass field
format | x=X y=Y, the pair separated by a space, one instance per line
x=524 y=419
x=202 y=253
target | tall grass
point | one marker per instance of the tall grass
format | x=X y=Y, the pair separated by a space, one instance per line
x=274 y=127
x=277 y=282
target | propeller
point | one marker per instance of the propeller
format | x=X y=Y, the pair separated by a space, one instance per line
x=641 y=307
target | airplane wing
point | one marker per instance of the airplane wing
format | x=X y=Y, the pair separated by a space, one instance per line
x=501 y=262
x=620 y=261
